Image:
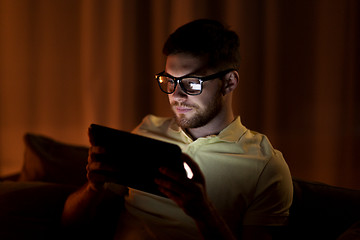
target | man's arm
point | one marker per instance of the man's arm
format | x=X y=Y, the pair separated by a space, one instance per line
x=190 y=195
x=82 y=206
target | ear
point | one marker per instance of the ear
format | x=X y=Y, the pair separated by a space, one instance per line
x=231 y=81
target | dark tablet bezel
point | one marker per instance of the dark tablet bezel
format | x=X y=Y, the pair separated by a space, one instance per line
x=137 y=157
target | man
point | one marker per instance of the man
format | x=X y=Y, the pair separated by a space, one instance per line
x=240 y=184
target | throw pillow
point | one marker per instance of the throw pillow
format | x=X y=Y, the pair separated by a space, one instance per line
x=48 y=160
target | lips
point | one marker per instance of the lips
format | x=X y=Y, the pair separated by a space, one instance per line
x=182 y=110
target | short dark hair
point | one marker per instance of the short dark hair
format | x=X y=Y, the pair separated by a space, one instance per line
x=205 y=37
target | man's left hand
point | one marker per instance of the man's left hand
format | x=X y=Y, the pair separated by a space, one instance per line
x=189 y=194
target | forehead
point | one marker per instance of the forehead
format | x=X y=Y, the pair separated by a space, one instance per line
x=181 y=64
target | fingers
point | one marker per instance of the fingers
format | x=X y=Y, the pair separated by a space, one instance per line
x=172 y=190
x=176 y=176
x=95 y=180
x=187 y=194
x=172 y=180
x=167 y=188
x=176 y=185
x=96 y=150
x=100 y=167
x=98 y=174
x=99 y=170
x=97 y=154
x=179 y=181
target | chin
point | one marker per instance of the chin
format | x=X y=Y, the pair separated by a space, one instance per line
x=195 y=121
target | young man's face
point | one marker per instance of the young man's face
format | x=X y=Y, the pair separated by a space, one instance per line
x=197 y=110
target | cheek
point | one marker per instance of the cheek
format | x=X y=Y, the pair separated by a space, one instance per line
x=207 y=96
x=201 y=100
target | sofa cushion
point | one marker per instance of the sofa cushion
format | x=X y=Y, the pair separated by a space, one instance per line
x=31 y=210
x=51 y=161
x=321 y=211
x=353 y=233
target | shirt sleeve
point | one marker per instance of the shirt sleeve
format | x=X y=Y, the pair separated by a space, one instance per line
x=273 y=195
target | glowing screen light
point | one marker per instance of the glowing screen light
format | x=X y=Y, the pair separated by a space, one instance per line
x=195 y=86
x=188 y=171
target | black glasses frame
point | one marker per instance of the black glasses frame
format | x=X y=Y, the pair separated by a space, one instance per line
x=178 y=80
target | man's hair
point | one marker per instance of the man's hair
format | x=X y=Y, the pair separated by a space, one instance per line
x=206 y=38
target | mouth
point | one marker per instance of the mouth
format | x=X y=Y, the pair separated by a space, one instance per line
x=182 y=109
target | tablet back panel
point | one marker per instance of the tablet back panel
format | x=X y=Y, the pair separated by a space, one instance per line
x=137 y=157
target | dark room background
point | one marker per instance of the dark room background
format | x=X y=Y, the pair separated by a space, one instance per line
x=67 y=63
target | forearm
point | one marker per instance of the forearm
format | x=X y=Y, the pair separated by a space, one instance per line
x=190 y=195
x=80 y=206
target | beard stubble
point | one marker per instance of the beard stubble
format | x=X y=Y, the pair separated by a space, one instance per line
x=201 y=116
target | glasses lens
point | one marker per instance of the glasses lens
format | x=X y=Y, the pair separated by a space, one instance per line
x=192 y=85
x=166 y=84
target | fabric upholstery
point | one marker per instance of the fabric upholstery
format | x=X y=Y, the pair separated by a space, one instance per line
x=51 y=161
x=31 y=210
x=321 y=211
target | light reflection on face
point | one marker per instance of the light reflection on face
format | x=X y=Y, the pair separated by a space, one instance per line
x=193 y=111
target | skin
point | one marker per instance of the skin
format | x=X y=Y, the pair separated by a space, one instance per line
x=187 y=107
x=200 y=115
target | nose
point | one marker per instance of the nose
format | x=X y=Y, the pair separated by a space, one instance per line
x=179 y=95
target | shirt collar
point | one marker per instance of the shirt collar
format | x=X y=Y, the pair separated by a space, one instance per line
x=232 y=133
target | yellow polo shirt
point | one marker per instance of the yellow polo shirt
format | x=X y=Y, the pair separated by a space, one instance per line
x=247 y=180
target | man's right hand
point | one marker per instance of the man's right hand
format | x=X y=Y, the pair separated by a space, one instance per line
x=98 y=171
x=81 y=206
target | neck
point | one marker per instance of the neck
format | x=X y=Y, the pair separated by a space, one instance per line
x=214 y=127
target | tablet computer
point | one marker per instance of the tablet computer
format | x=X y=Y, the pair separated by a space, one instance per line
x=138 y=158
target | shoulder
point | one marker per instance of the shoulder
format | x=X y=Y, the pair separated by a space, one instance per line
x=257 y=143
x=273 y=191
x=272 y=169
x=272 y=161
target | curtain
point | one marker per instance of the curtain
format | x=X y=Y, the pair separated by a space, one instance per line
x=67 y=63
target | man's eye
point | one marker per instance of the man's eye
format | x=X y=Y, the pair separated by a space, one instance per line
x=170 y=81
x=195 y=86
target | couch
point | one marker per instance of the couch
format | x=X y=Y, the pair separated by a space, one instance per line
x=31 y=202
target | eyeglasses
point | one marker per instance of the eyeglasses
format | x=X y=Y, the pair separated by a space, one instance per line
x=191 y=85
